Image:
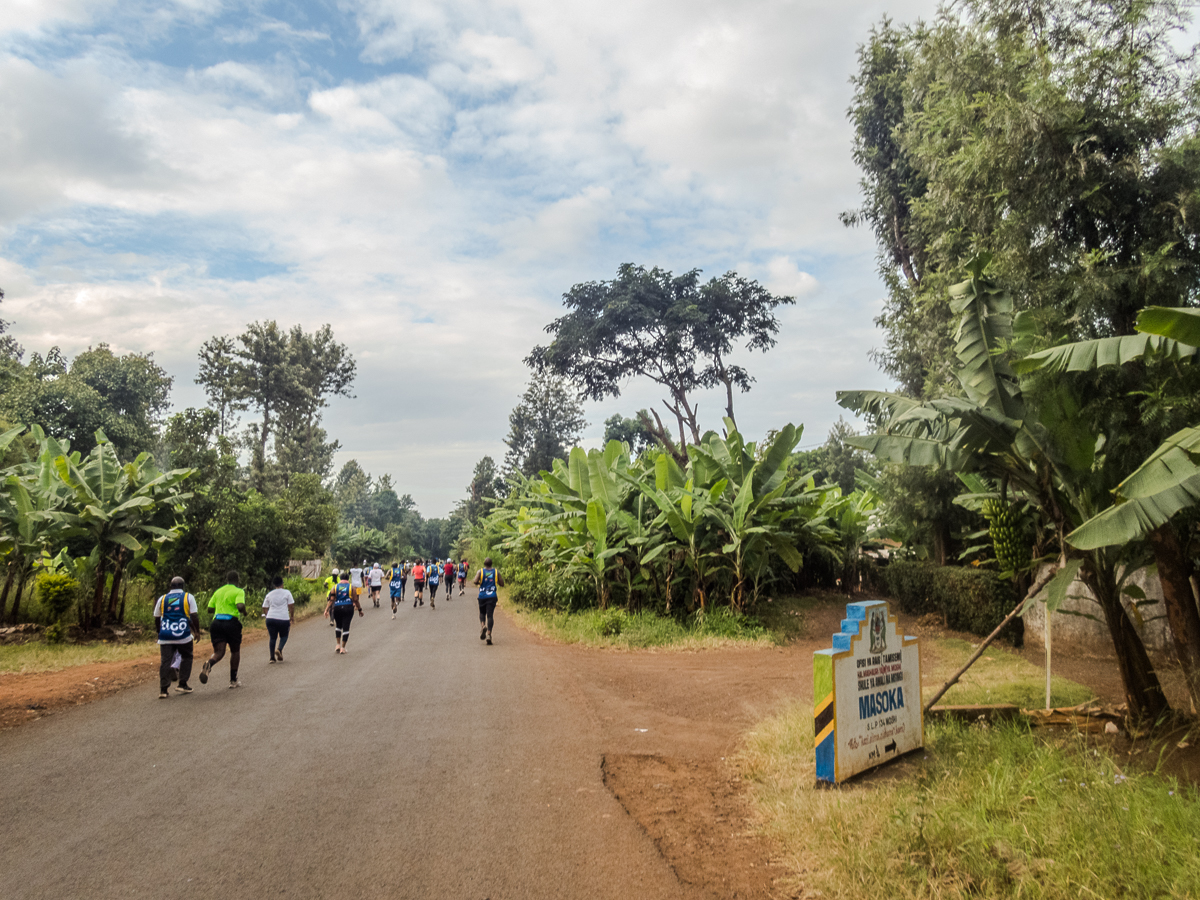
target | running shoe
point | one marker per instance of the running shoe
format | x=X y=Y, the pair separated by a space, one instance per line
x=271 y=660
x=431 y=606
x=483 y=634
x=489 y=639
x=183 y=689
x=234 y=684
x=393 y=615
x=163 y=695
x=279 y=655
x=204 y=670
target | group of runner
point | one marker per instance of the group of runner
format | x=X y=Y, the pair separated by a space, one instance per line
x=177 y=614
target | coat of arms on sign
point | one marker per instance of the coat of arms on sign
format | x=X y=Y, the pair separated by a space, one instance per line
x=878 y=630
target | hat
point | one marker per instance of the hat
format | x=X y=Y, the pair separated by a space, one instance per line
x=336 y=572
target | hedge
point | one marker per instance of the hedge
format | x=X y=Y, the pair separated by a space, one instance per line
x=973 y=600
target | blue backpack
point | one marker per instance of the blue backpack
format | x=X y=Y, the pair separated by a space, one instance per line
x=175 y=624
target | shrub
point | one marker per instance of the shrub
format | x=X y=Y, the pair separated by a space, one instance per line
x=55 y=633
x=57 y=592
x=539 y=588
x=302 y=589
x=968 y=599
x=611 y=622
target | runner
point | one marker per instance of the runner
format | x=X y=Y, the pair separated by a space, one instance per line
x=356 y=579
x=433 y=574
x=448 y=577
x=396 y=579
x=418 y=574
x=177 y=621
x=228 y=602
x=343 y=602
x=279 y=608
x=463 y=568
x=375 y=580
x=330 y=583
x=487 y=578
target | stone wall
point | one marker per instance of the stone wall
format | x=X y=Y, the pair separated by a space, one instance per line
x=1089 y=636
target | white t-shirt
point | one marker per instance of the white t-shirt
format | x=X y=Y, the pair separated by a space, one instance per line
x=192 y=609
x=376 y=577
x=276 y=603
x=356 y=577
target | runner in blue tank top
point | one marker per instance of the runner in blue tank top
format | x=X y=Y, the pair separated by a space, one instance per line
x=342 y=603
x=396 y=578
x=488 y=580
x=432 y=577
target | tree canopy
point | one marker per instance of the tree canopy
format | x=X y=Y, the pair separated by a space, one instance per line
x=671 y=329
x=543 y=426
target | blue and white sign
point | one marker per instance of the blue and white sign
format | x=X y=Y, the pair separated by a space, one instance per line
x=866 y=694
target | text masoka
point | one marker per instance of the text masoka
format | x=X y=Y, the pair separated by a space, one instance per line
x=881 y=702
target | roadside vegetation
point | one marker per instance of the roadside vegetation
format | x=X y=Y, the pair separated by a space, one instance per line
x=990 y=812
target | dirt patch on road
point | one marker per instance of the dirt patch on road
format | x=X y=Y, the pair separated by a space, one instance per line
x=696 y=813
x=26 y=697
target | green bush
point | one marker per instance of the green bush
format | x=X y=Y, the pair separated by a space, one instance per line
x=611 y=622
x=968 y=599
x=302 y=589
x=539 y=588
x=57 y=592
x=56 y=633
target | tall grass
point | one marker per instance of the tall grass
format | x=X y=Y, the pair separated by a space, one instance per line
x=617 y=628
x=988 y=812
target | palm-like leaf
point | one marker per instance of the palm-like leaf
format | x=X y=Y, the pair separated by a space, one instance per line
x=1084 y=356
x=1180 y=324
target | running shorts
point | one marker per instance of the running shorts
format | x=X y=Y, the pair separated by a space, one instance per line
x=226 y=631
x=418 y=584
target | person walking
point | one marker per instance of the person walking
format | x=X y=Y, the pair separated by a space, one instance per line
x=433 y=575
x=342 y=603
x=396 y=579
x=228 y=602
x=462 y=577
x=330 y=584
x=488 y=580
x=177 y=621
x=356 y=579
x=448 y=577
x=375 y=581
x=279 y=606
x=418 y=574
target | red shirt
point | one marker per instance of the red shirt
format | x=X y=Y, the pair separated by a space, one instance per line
x=448 y=569
x=418 y=573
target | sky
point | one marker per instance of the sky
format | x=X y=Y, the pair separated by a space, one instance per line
x=429 y=178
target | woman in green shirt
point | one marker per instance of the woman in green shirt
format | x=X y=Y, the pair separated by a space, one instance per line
x=228 y=603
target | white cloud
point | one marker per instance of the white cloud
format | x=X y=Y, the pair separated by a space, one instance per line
x=435 y=212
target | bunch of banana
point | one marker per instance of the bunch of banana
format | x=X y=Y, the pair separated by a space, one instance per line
x=1008 y=539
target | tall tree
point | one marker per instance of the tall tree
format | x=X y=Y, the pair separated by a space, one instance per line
x=123 y=396
x=671 y=329
x=486 y=486
x=1058 y=135
x=288 y=377
x=544 y=426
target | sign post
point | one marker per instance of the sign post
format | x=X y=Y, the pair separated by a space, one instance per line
x=867 y=694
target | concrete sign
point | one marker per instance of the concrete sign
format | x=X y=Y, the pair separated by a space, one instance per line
x=867 y=694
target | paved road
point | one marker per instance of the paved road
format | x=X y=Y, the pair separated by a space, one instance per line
x=423 y=764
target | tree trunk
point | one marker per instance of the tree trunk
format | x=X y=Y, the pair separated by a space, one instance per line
x=1143 y=692
x=98 y=592
x=1175 y=573
x=16 y=608
x=941 y=542
x=118 y=572
x=8 y=580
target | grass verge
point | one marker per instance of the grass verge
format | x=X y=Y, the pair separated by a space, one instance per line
x=617 y=628
x=1000 y=676
x=988 y=812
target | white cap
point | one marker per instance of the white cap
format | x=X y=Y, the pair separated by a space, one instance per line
x=336 y=572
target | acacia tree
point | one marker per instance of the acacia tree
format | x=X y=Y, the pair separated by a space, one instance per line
x=543 y=426
x=671 y=329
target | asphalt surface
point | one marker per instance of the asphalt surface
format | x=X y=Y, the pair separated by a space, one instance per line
x=422 y=764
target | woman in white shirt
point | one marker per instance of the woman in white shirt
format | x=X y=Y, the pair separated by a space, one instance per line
x=280 y=609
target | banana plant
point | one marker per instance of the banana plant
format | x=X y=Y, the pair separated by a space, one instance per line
x=125 y=510
x=1044 y=453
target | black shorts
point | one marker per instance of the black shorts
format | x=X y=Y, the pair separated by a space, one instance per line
x=343 y=616
x=226 y=631
x=418 y=585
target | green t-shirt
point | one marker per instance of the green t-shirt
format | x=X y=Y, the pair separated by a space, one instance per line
x=225 y=600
